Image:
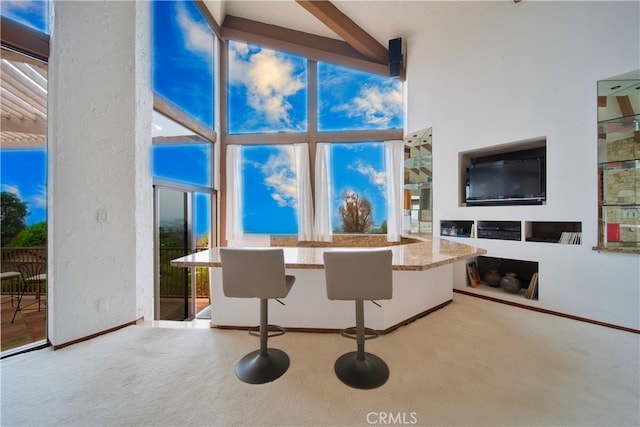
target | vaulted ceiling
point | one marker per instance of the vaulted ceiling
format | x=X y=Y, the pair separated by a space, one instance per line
x=366 y=26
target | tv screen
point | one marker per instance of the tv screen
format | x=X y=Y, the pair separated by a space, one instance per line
x=509 y=181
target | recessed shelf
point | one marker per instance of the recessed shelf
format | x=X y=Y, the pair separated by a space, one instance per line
x=495 y=169
x=501 y=230
x=456 y=228
x=567 y=232
x=524 y=271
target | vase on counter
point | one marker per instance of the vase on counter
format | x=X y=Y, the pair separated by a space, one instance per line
x=492 y=277
x=510 y=283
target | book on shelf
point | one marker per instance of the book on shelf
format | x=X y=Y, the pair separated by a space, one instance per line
x=472 y=274
x=571 y=237
x=532 y=290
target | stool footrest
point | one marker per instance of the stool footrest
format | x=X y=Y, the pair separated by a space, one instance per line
x=351 y=334
x=256 y=331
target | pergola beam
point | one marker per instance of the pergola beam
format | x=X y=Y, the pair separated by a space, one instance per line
x=35 y=127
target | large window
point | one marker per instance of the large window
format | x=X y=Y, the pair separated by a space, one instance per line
x=184 y=57
x=267 y=90
x=268 y=94
x=183 y=51
x=269 y=189
x=355 y=100
x=188 y=163
x=358 y=201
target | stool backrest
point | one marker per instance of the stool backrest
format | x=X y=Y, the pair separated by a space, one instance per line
x=253 y=273
x=358 y=275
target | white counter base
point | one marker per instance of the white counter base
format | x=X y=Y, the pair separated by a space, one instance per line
x=307 y=305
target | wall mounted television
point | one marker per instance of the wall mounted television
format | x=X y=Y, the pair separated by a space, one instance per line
x=514 y=178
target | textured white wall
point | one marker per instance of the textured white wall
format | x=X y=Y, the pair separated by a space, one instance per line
x=501 y=72
x=100 y=104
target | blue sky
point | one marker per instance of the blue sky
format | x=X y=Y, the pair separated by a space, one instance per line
x=24 y=173
x=267 y=94
x=34 y=13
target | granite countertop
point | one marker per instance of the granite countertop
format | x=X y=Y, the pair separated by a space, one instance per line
x=419 y=253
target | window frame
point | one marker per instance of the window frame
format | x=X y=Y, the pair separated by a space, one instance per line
x=173 y=112
x=312 y=136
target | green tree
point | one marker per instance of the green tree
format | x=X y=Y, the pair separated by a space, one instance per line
x=33 y=235
x=13 y=211
x=356 y=213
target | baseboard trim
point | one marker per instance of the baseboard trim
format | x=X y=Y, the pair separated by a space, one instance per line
x=551 y=312
x=97 y=334
x=334 y=331
x=416 y=317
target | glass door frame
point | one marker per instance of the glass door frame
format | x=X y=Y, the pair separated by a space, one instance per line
x=32 y=339
x=191 y=191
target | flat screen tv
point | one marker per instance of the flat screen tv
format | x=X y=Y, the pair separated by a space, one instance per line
x=516 y=178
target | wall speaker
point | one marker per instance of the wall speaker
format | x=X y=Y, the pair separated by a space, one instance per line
x=395 y=57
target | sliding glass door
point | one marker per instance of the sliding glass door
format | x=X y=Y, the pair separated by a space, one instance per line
x=183 y=226
x=174 y=290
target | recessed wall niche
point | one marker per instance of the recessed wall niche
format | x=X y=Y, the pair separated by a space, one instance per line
x=507 y=174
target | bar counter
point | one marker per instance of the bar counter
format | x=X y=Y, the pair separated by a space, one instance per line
x=422 y=282
x=416 y=255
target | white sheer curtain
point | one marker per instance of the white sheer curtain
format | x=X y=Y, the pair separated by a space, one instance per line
x=234 y=192
x=394 y=162
x=323 y=193
x=305 y=202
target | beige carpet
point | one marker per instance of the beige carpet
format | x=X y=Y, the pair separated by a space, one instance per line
x=474 y=362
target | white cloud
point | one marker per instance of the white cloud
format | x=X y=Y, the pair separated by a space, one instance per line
x=376 y=177
x=9 y=6
x=11 y=189
x=197 y=39
x=269 y=79
x=238 y=63
x=39 y=200
x=280 y=177
x=379 y=105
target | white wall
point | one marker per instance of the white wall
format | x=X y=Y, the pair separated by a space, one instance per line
x=500 y=72
x=99 y=136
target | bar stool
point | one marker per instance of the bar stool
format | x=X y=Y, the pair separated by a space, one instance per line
x=258 y=273
x=359 y=275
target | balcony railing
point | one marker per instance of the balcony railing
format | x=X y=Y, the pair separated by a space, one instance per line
x=172 y=279
x=12 y=257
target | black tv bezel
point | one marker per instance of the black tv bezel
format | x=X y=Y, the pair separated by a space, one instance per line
x=509 y=200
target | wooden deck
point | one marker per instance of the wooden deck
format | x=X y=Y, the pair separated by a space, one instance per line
x=29 y=326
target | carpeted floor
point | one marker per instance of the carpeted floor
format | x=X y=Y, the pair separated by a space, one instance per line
x=474 y=362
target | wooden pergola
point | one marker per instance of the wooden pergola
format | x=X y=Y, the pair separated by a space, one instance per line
x=23 y=101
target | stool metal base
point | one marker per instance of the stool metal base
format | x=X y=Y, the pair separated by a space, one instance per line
x=368 y=373
x=256 y=369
